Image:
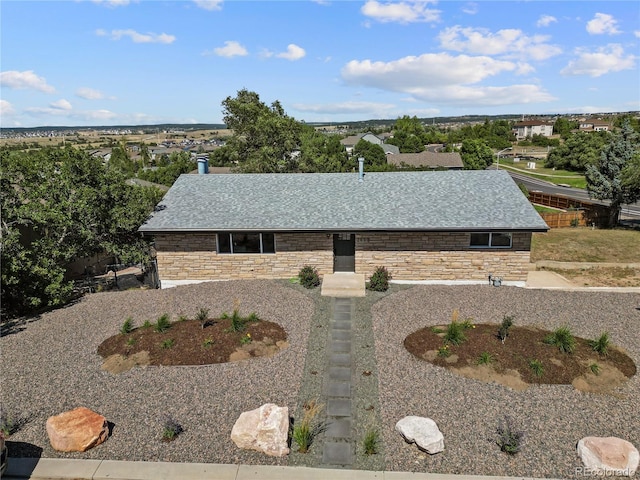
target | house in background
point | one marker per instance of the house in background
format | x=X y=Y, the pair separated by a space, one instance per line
x=593 y=125
x=351 y=141
x=529 y=128
x=426 y=159
x=459 y=226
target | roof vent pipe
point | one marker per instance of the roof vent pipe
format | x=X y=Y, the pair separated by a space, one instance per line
x=361 y=169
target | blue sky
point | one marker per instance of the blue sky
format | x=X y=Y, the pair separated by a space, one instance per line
x=122 y=62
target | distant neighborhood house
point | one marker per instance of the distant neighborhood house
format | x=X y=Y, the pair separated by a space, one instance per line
x=591 y=125
x=426 y=159
x=429 y=226
x=351 y=141
x=529 y=128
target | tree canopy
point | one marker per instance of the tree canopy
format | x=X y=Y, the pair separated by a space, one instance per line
x=579 y=150
x=613 y=175
x=60 y=204
x=476 y=155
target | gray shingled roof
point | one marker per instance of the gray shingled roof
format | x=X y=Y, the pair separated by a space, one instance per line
x=446 y=200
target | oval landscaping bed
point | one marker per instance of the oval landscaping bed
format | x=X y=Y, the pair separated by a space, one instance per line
x=188 y=342
x=527 y=356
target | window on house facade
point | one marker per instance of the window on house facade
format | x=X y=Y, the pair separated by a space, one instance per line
x=246 y=243
x=490 y=240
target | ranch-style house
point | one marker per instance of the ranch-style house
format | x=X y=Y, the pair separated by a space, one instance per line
x=459 y=226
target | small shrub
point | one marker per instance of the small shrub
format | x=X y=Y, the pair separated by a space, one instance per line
x=467 y=324
x=444 y=351
x=562 y=338
x=168 y=343
x=10 y=424
x=601 y=344
x=509 y=439
x=595 y=368
x=203 y=316
x=503 y=331
x=146 y=324
x=437 y=330
x=309 y=277
x=245 y=339
x=183 y=318
x=163 y=324
x=371 y=442
x=171 y=429
x=379 y=281
x=207 y=342
x=454 y=333
x=305 y=432
x=127 y=326
x=536 y=367
x=131 y=341
x=485 y=358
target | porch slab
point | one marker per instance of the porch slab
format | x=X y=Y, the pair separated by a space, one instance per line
x=343 y=285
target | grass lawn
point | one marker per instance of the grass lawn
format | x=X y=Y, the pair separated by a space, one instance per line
x=543 y=209
x=586 y=245
x=573 y=179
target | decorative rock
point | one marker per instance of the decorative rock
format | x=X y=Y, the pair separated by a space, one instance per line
x=265 y=429
x=608 y=456
x=77 y=430
x=423 y=431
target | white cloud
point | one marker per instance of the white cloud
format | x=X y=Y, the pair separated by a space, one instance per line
x=137 y=37
x=112 y=3
x=401 y=12
x=210 y=5
x=61 y=104
x=470 y=8
x=6 y=108
x=603 y=23
x=294 y=52
x=443 y=78
x=509 y=42
x=25 y=80
x=637 y=33
x=68 y=113
x=546 y=20
x=89 y=93
x=231 y=49
x=342 y=107
x=607 y=59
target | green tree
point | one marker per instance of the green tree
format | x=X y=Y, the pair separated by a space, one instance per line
x=322 y=153
x=563 y=127
x=373 y=154
x=264 y=137
x=59 y=204
x=609 y=178
x=476 y=155
x=578 y=151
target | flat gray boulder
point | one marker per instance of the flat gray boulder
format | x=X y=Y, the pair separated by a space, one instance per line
x=608 y=456
x=423 y=432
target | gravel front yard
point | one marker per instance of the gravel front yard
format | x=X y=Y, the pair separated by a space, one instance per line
x=51 y=366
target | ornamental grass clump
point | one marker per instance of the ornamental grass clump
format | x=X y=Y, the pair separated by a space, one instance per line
x=127 y=326
x=308 y=277
x=601 y=344
x=171 y=429
x=562 y=338
x=509 y=439
x=162 y=324
x=379 y=281
x=307 y=430
x=454 y=333
x=371 y=442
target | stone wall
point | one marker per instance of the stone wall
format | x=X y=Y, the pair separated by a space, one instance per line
x=407 y=256
x=441 y=256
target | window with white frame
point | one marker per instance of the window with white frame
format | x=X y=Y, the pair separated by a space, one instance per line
x=241 y=242
x=490 y=240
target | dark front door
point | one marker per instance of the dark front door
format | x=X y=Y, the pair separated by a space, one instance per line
x=344 y=252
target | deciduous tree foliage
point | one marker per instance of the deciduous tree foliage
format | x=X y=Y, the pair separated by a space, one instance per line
x=613 y=176
x=59 y=205
x=373 y=154
x=476 y=155
x=579 y=150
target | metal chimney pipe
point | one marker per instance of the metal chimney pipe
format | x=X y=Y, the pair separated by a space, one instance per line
x=361 y=169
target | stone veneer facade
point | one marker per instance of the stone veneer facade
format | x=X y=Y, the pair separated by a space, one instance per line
x=406 y=255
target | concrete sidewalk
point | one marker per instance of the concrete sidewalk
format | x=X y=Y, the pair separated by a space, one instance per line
x=554 y=281
x=63 y=469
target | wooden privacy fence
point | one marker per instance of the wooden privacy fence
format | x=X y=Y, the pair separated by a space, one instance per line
x=586 y=213
x=575 y=218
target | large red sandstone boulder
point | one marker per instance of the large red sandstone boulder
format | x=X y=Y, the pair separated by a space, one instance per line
x=608 y=456
x=77 y=430
x=265 y=429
